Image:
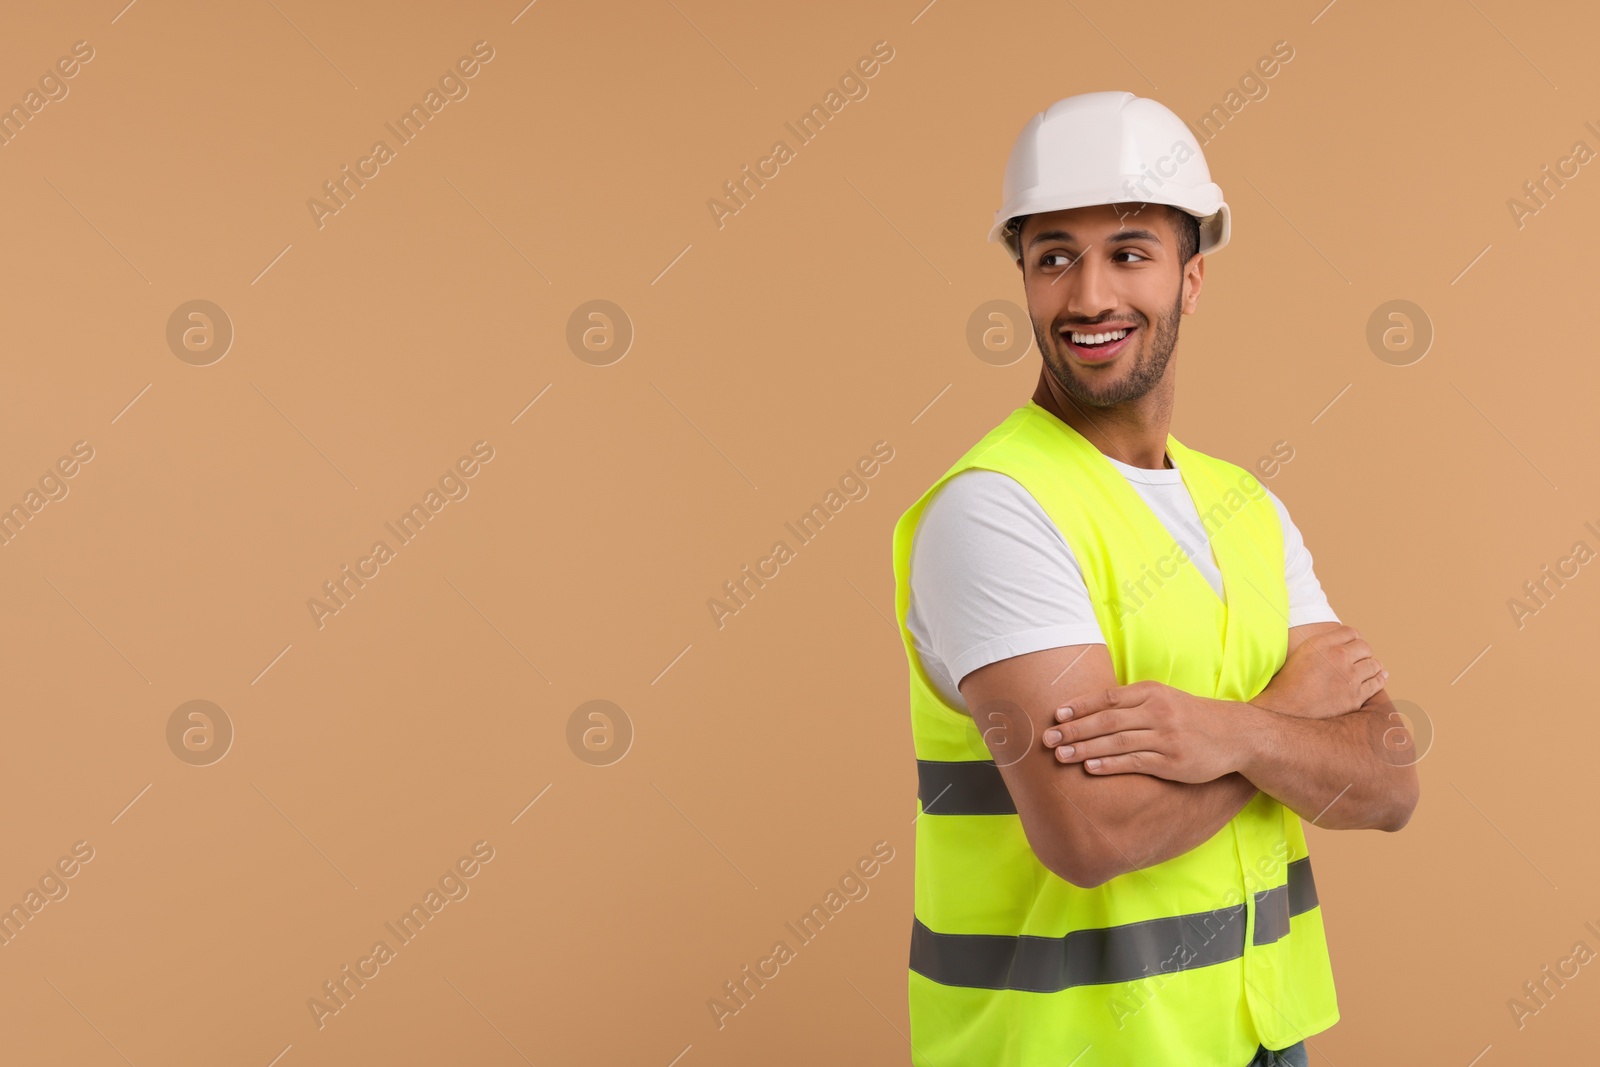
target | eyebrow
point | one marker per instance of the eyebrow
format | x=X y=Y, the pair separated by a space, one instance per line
x=1119 y=236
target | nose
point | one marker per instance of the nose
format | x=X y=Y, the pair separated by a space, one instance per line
x=1090 y=294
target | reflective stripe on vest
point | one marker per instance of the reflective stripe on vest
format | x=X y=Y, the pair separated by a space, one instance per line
x=1099 y=956
x=1087 y=956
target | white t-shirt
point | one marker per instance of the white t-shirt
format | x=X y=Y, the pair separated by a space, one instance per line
x=992 y=577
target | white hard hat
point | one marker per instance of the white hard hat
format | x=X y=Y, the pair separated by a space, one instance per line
x=1109 y=148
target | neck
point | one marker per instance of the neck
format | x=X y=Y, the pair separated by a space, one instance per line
x=1134 y=432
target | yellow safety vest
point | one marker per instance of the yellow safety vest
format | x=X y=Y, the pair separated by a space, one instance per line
x=1196 y=960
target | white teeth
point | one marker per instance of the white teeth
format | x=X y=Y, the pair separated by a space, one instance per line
x=1097 y=338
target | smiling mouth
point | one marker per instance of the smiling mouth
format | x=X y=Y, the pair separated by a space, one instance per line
x=1097 y=346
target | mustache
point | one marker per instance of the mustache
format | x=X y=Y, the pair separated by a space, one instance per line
x=1138 y=320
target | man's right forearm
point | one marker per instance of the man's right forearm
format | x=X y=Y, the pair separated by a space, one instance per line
x=1086 y=828
x=1138 y=821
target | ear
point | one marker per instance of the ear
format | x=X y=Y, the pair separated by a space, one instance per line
x=1194 y=275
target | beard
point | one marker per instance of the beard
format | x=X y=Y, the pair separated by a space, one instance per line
x=1149 y=365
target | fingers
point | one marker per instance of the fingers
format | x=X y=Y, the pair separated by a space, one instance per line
x=1339 y=637
x=1372 y=679
x=1076 y=710
x=1129 y=763
x=1079 y=727
x=1118 y=696
x=1119 y=743
x=1347 y=643
x=1348 y=650
x=1088 y=703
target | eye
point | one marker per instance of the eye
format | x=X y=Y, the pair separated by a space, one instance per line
x=1066 y=259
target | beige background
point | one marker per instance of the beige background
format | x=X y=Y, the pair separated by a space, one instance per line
x=768 y=356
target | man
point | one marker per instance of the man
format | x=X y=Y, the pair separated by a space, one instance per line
x=1127 y=688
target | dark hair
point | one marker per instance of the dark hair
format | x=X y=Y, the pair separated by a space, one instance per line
x=1185 y=225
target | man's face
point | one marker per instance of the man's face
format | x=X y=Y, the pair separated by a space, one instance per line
x=1110 y=269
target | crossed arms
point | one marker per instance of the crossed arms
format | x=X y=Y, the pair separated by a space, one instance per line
x=1171 y=768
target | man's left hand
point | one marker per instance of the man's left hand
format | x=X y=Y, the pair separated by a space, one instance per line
x=1149 y=728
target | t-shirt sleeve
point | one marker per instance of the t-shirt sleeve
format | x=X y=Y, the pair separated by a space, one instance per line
x=1307 y=602
x=992 y=576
